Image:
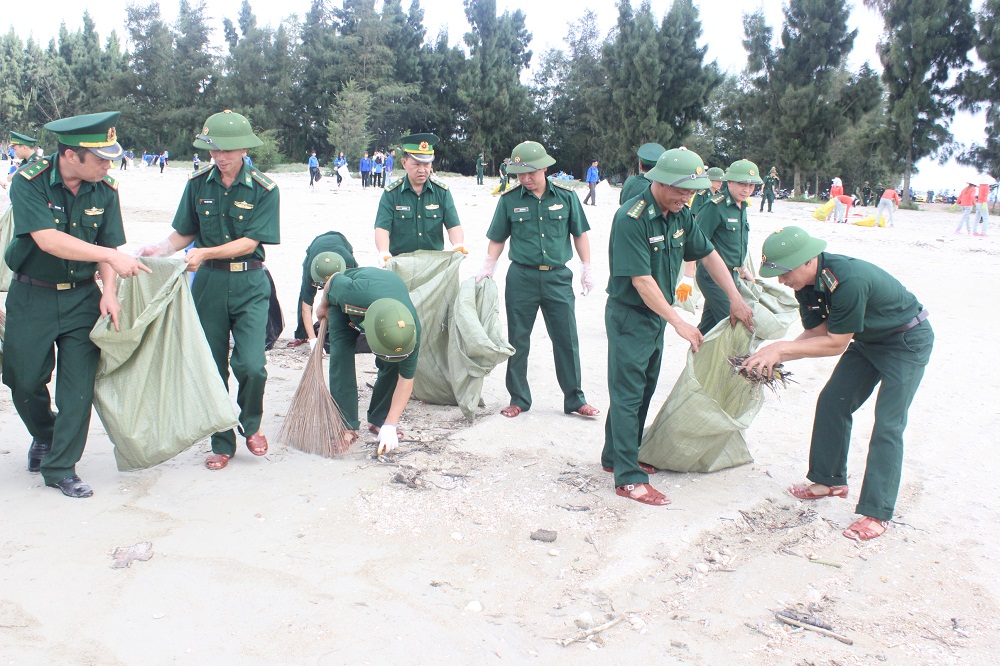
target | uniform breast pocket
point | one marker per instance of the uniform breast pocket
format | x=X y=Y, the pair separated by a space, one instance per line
x=208 y=217
x=90 y=225
x=559 y=222
x=519 y=217
x=241 y=216
x=60 y=219
x=403 y=215
x=733 y=226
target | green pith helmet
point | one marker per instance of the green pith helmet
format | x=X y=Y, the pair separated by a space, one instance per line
x=18 y=139
x=787 y=249
x=527 y=157
x=680 y=167
x=716 y=173
x=390 y=329
x=648 y=153
x=226 y=131
x=94 y=131
x=326 y=264
x=419 y=146
x=773 y=170
x=743 y=171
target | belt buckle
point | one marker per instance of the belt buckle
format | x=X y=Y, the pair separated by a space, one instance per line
x=545 y=268
x=63 y=286
x=237 y=266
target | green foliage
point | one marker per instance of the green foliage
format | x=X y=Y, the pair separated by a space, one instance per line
x=980 y=90
x=267 y=156
x=347 y=127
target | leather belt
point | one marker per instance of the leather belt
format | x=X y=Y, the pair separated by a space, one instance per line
x=922 y=315
x=233 y=266
x=537 y=268
x=58 y=286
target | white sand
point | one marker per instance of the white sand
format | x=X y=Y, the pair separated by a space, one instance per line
x=297 y=559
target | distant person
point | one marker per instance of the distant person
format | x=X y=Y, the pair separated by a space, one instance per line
x=163 y=160
x=365 y=167
x=842 y=206
x=313 y=169
x=390 y=164
x=836 y=187
x=967 y=200
x=887 y=204
x=768 y=193
x=593 y=178
x=480 y=168
x=341 y=161
x=866 y=194
x=195 y=162
x=378 y=164
x=981 y=223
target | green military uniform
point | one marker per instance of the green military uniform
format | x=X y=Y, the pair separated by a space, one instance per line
x=232 y=295
x=633 y=186
x=416 y=222
x=480 y=169
x=767 y=194
x=540 y=231
x=331 y=241
x=892 y=344
x=18 y=139
x=54 y=303
x=503 y=177
x=350 y=295
x=644 y=240
x=702 y=196
x=866 y=194
x=725 y=223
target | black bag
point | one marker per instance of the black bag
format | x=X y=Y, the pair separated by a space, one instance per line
x=360 y=347
x=275 y=321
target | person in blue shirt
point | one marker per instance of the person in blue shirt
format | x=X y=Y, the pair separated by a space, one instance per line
x=313 y=169
x=377 y=166
x=341 y=161
x=593 y=177
x=390 y=162
x=365 y=167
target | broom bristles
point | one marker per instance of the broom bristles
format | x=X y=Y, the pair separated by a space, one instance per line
x=314 y=423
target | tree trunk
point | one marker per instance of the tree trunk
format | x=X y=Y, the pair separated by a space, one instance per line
x=797 y=182
x=906 y=174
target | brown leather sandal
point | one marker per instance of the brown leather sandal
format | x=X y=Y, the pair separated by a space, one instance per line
x=866 y=529
x=511 y=411
x=807 y=492
x=217 y=461
x=652 y=496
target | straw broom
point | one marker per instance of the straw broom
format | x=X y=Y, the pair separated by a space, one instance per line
x=314 y=423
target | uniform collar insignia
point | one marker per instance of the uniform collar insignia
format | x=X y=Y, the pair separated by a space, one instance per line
x=829 y=279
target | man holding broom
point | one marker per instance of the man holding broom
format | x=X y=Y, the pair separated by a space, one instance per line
x=331 y=241
x=374 y=301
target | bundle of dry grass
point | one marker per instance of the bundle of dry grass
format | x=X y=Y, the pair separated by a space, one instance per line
x=314 y=423
x=778 y=377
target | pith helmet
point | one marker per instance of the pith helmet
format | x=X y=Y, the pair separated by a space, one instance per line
x=716 y=173
x=743 y=171
x=226 y=131
x=787 y=249
x=390 y=329
x=326 y=264
x=680 y=167
x=527 y=157
x=648 y=153
x=94 y=131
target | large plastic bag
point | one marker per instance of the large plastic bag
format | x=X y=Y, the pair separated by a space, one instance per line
x=824 y=211
x=6 y=236
x=701 y=426
x=157 y=389
x=461 y=337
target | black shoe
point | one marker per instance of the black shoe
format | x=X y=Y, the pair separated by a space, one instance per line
x=36 y=452
x=72 y=486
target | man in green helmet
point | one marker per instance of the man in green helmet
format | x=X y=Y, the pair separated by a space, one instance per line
x=852 y=309
x=723 y=219
x=716 y=176
x=374 y=301
x=414 y=209
x=67 y=225
x=326 y=243
x=768 y=192
x=480 y=168
x=648 y=153
x=651 y=236
x=540 y=217
x=230 y=210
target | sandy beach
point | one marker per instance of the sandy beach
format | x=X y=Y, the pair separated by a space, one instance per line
x=425 y=557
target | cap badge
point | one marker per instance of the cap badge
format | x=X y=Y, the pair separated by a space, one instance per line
x=753 y=172
x=112 y=136
x=517 y=158
x=698 y=170
x=424 y=145
x=204 y=130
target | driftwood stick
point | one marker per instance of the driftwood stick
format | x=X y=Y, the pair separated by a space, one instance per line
x=819 y=630
x=593 y=631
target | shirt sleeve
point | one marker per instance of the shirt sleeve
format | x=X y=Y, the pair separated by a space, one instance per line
x=709 y=218
x=265 y=225
x=29 y=201
x=578 y=224
x=499 y=230
x=450 y=212
x=186 y=218
x=698 y=245
x=383 y=217
x=112 y=230
x=630 y=253
x=847 y=306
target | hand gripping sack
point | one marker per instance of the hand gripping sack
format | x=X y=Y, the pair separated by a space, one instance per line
x=701 y=426
x=157 y=390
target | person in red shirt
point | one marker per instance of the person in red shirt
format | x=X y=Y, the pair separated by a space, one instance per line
x=982 y=221
x=842 y=206
x=966 y=199
x=836 y=187
x=888 y=203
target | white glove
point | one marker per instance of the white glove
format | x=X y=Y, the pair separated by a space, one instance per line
x=312 y=343
x=387 y=438
x=587 y=279
x=385 y=258
x=489 y=265
x=162 y=249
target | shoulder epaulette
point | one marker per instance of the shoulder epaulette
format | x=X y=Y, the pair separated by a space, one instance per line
x=510 y=189
x=396 y=183
x=636 y=210
x=829 y=279
x=718 y=198
x=33 y=169
x=354 y=309
x=201 y=172
x=437 y=181
x=264 y=181
x=562 y=185
x=110 y=182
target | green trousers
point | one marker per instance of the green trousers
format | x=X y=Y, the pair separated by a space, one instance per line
x=769 y=198
x=716 y=304
x=40 y=321
x=635 y=351
x=236 y=303
x=479 y=176
x=528 y=290
x=898 y=363
x=344 y=383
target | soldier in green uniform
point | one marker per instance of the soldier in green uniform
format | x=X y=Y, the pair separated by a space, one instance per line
x=716 y=176
x=503 y=176
x=67 y=224
x=377 y=302
x=633 y=186
x=852 y=309
x=230 y=210
x=724 y=220
x=651 y=236
x=414 y=210
x=24 y=150
x=480 y=168
x=866 y=194
x=540 y=217
x=771 y=181
x=331 y=241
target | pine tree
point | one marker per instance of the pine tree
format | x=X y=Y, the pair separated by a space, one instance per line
x=981 y=90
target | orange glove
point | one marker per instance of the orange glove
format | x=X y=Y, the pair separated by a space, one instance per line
x=685 y=289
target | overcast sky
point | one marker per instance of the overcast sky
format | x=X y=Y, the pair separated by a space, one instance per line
x=547 y=20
